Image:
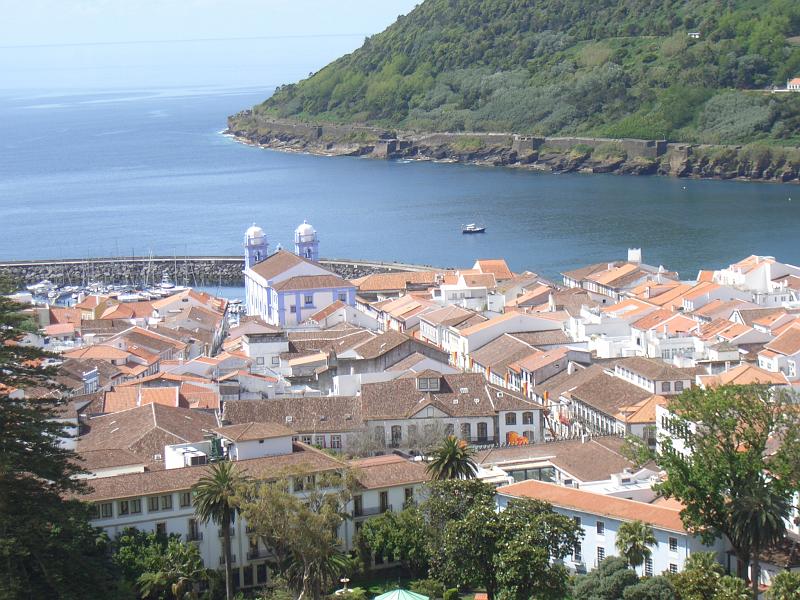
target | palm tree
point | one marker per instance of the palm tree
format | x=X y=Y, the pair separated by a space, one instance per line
x=634 y=539
x=757 y=524
x=215 y=500
x=179 y=573
x=452 y=460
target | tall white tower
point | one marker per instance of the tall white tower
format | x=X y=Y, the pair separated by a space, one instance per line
x=255 y=246
x=306 y=242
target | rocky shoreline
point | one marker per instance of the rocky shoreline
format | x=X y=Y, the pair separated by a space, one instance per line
x=548 y=154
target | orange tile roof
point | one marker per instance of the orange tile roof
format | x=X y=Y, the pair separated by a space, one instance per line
x=660 y=516
x=642 y=412
x=538 y=359
x=121 y=399
x=701 y=289
x=788 y=342
x=495 y=266
x=751 y=262
x=168 y=396
x=608 y=276
x=630 y=307
x=744 y=374
x=98 y=351
x=705 y=276
x=488 y=324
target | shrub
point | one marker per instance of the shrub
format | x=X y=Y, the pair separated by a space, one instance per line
x=451 y=594
x=428 y=587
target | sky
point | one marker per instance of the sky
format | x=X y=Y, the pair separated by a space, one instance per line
x=111 y=44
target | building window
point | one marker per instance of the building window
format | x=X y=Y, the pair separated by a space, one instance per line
x=397 y=435
x=319 y=440
x=186 y=499
x=307 y=439
x=482 y=431
x=665 y=386
x=673 y=544
x=673 y=568
x=449 y=429
x=261 y=573
x=336 y=441
x=648 y=567
x=511 y=418
x=259 y=360
x=123 y=507
x=428 y=384
x=342 y=297
x=297 y=484
x=358 y=506
x=409 y=495
x=601 y=528
x=152 y=504
x=248 y=576
x=293 y=309
x=527 y=418
x=308 y=299
x=577 y=521
x=577 y=553
x=678 y=386
x=385 y=502
x=161 y=529
x=466 y=431
x=601 y=554
x=276 y=361
x=136 y=506
x=166 y=502
x=106 y=510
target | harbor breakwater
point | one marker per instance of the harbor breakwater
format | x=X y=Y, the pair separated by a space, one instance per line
x=148 y=271
x=551 y=154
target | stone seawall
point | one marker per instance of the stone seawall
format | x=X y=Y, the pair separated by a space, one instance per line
x=147 y=271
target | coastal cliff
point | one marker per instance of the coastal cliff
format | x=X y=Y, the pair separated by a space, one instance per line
x=754 y=162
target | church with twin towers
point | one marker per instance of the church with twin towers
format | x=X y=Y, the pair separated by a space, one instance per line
x=287 y=288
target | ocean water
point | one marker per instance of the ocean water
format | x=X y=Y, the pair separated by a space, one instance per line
x=139 y=171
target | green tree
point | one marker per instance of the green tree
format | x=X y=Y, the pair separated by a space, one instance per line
x=731 y=588
x=402 y=535
x=700 y=577
x=508 y=553
x=158 y=565
x=302 y=532
x=651 y=588
x=48 y=549
x=785 y=586
x=608 y=581
x=177 y=575
x=216 y=500
x=634 y=539
x=453 y=459
x=727 y=480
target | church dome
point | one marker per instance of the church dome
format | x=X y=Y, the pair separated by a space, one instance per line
x=253 y=232
x=305 y=229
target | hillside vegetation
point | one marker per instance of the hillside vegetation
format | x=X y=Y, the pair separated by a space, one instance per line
x=614 y=68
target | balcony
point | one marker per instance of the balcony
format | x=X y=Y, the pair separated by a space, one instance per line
x=481 y=440
x=256 y=553
x=372 y=511
x=221 y=532
x=194 y=536
x=222 y=559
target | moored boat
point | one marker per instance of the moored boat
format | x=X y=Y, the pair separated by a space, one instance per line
x=473 y=228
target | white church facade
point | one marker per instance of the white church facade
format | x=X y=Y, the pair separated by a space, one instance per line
x=286 y=288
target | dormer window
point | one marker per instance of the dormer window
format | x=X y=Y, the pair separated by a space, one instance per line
x=428 y=384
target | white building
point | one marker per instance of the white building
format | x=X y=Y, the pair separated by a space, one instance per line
x=284 y=288
x=601 y=516
x=162 y=500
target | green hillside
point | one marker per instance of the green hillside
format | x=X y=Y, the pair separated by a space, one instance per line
x=615 y=68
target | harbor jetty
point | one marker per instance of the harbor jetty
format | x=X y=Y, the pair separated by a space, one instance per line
x=183 y=270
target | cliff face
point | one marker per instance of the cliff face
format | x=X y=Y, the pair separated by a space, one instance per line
x=551 y=154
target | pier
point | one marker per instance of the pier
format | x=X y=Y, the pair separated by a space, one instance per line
x=183 y=270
